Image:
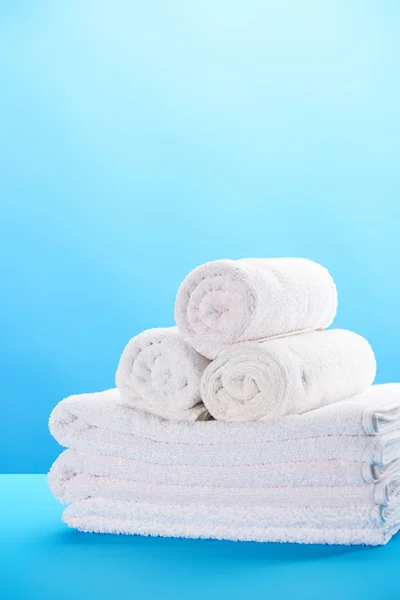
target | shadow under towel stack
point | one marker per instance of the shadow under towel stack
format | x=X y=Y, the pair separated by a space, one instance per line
x=247 y=421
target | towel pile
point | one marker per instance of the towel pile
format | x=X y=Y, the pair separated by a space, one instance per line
x=246 y=421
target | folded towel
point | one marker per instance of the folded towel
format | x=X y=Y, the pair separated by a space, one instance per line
x=301 y=473
x=290 y=375
x=68 y=487
x=160 y=373
x=362 y=428
x=228 y=301
x=112 y=493
x=236 y=515
x=374 y=412
x=356 y=525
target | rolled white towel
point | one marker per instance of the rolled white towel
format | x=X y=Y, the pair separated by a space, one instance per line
x=287 y=376
x=160 y=373
x=228 y=301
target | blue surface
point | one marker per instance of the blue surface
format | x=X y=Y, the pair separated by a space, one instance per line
x=42 y=559
x=139 y=139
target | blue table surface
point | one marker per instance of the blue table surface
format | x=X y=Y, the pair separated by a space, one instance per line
x=42 y=558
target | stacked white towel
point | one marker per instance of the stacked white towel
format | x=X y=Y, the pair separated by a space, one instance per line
x=331 y=475
x=248 y=406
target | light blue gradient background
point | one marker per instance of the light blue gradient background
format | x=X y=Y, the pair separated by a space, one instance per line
x=139 y=139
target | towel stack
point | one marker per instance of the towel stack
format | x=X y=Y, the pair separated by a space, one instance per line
x=247 y=421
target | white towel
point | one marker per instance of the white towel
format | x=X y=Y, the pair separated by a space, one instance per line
x=376 y=411
x=228 y=301
x=160 y=373
x=107 y=496
x=300 y=473
x=68 y=487
x=356 y=525
x=285 y=376
x=363 y=428
x=239 y=515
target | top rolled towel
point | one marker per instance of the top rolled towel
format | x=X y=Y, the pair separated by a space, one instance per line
x=160 y=373
x=224 y=302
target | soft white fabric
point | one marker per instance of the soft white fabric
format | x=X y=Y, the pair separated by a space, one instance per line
x=228 y=301
x=363 y=525
x=285 y=376
x=68 y=486
x=362 y=428
x=368 y=513
x=301 y=473
x=380 y=450
x=160 y=373
x=358 y=438
x=362 y=516
x=374 y=412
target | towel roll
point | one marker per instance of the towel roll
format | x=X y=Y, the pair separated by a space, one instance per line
x=287 y=376
x=160 y=373
x=228 y=301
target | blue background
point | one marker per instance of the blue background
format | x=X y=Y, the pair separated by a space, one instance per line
x=139 y=139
